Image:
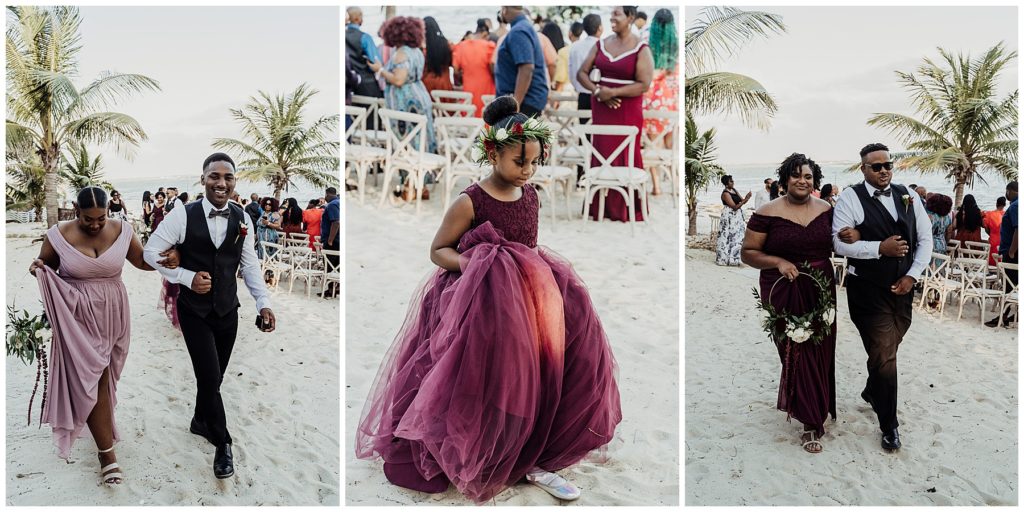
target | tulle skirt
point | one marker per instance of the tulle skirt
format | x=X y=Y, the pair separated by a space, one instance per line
x=498 y=369
x=169 y=301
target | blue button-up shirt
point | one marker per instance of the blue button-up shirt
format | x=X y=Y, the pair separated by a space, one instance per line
x=521 y=46
x=369 y=48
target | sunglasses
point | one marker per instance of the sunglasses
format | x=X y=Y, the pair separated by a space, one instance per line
x=877 y=167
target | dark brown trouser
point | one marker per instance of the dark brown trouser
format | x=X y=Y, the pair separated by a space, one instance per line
x=882 y=318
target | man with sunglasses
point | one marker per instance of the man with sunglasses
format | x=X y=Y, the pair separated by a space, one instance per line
x=894 y=248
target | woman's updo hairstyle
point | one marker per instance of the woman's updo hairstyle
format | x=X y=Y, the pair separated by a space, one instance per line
x=503 y=112
x=726 y=179
x=91 y=197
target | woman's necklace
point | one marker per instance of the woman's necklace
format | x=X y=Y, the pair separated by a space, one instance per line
x=802 y=216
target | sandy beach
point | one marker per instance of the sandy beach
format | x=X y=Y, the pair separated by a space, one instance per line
x=280 y=391
x=957 y=408
x=633 y=283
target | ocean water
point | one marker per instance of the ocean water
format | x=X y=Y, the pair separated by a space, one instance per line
x=750 y=177
x=131 y=189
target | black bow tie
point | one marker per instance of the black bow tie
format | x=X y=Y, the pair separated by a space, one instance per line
x=218 y=213
x=887 y=192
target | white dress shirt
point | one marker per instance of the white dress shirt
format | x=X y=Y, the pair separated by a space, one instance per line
x=850 y=213
x=171 y=232
x=577 y=54
x=761 y=197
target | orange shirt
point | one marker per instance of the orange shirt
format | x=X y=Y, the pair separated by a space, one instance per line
x=473 y=57
x=312 y=218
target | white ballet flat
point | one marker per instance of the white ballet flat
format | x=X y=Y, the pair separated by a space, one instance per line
x=110 y=479
x=553 y=484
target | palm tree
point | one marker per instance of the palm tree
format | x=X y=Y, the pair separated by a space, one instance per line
x=80 y=172
x=46 y=109
x=279 y=149
x=701 y=169
x=961 y=128
x=26 y=181
x=719 y=32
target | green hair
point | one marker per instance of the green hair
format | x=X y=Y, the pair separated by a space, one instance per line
x=664 y=44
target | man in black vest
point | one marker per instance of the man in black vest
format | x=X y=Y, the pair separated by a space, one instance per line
x=894 y=248
x=214 y=238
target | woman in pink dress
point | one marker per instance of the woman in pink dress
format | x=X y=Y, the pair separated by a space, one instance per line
x=79 y=274
x=626 y=67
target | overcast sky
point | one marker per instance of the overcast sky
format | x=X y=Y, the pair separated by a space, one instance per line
x=835 y=67
x=207 y=60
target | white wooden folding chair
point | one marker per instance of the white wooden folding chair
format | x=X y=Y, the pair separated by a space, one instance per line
x=304 y=266
x=331 y=270
x=273 y=263
x=465 y=98
x=937 y=278
x=1009 y=296
x=360 y=157
x=458 y=135
x=371 y=133
x=551 y=174
x=626 y=180
x=976 y=246
x=973 y=273
x=442 y=110
x=487 y=99
x=839 y=266
x=656 y=154
x=568 y=149
x=403 y=154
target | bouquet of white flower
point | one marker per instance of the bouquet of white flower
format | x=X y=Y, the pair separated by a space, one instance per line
x=27 y=336
x=812 y=326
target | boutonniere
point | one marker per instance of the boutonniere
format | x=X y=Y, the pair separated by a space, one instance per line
x=243 y=229
x=907 y=201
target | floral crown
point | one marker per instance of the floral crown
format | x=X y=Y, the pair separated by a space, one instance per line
x=518 y=133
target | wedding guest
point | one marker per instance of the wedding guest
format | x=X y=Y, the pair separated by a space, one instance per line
x=147 y=208
x=578 y=53
x=626 y=67
x=79 y=274
x=938 y=207
x=437 y=58
x=731 y=226
x=828 y=194
x=640 y=26
x=521 y=69
x=253 y=208
x=764 y=195
x=267 y=227
x=664 y=91
x=311 y=218
x=992 y=221
x=774 y=191
x=291 y=217
x=330 y=233
x=967 y=223
x=561 y=75
x=159 y=202
x=360 y=51
x=116 y=207
x=472 y=58
x=403 y=74
x=784 y=233
x=1008 y=246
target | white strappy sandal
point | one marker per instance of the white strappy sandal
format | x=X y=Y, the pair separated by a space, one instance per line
x=812 y=441
x=114 y=477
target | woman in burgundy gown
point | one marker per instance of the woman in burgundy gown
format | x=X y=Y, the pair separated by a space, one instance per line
x=781 y=236
x=501 y=370
x=626 y=67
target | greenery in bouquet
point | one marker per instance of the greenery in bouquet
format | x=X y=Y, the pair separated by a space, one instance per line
x=814 y=325
x=27 y=336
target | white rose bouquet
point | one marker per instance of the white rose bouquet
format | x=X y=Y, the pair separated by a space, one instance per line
x=813 y=326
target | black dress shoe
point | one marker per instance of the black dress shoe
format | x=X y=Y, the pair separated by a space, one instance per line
x=199 y=429
x=891 y=440
x=223 y=464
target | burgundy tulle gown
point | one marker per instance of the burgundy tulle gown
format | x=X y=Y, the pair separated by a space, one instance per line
x=807 y=388
x=87 y=305
x=616 y=72
x=498 y=369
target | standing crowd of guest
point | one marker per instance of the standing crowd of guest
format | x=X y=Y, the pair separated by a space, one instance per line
x=617 y=76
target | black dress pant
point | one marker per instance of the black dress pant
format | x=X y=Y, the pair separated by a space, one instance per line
x=882 y=318
x=209 y=340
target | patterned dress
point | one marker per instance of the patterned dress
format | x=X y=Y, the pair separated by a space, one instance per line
x=412 y=96
x=731 y=228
